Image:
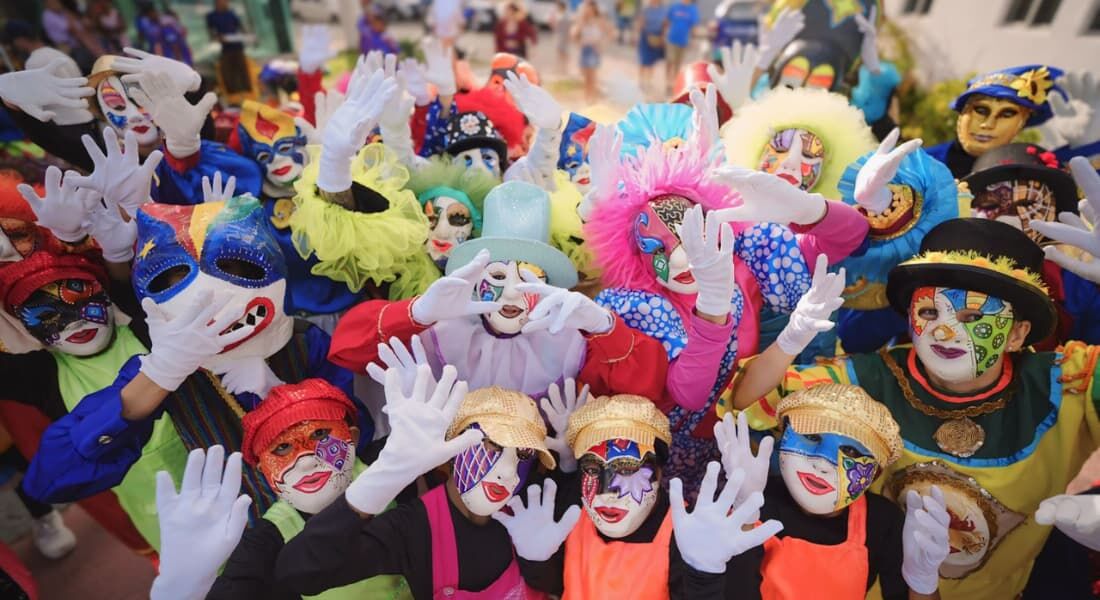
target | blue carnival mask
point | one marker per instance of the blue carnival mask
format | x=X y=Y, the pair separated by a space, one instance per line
x=825 y=472
x=271 y=138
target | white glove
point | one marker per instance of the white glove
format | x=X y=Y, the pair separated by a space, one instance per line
x=38 y=91
x=251 y=375
x=767 y=198
x=557 y=411
x=200 y=526
x=534 y=532
x=711 y=259
x=713 y=533
x=414 y=80
x=181 y=345
x=214 y=191
x=115 y=235
x=738 y=67
x=704 y=116
x=559 y=309
x=315 y=51
x=64 y=208
x=1076 y=122
x=325 y=105
x=417 y=442
x=346 y=131
x=735 y=445
x=183 y=77
x=604 y=148
x=179 y=120
x=1072 y=230
x=395 y=356
x=811 y=314
x=880 y=169
x=1076 y=516
x=537 y=104
x=440 y=70
x=787 y=24
x=924 y=540
x=119 y=175
x=868 y=50
x=450 y=297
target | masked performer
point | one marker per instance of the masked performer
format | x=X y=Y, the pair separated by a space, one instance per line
x=980 y=415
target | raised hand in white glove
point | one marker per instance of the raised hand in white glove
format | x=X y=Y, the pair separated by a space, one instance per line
x=38 y=92
x=1076 y=121
x=924 y=540
x=537 y=104
x=325 y=105
x=200 y=526
x=868 y=50
x=704 y=115
x=214 y=191
x=346 y=131
x=603 y=162
x=713 y=532
x=119 y=175
x=735 y=445
x=534 y=532
x=451 y=297
x=559 y=309
x=787 y=24
x=395 y=356
x=412 y=77
x=247 y=375
x=64 y=208
x=558 y=410
x=767 y=198
x=1074 y=231
x=115 y=235
x=179 y=120
x=136 y=62
x=314 y=51
x=1076 y=516
x=739 y=63
x=811 y=314
x=880 y=169
x=182 y=344
x=417 y=442
x=439 y=70
x=711 y=259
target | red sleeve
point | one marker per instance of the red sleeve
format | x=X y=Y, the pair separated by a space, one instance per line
x=498 y=36
x=419 y=126
x=625 y=361
x=180 y=165
x=308 y=86
x=358 y=333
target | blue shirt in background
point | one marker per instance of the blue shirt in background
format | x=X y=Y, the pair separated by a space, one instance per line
x=653 y=19
x=681 y=19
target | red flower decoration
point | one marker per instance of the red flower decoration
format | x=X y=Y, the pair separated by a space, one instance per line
x=1050 y=160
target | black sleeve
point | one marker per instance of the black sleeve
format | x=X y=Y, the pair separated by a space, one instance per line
x=884 y=550
x=60 y=140
x=741 y=580
x=250 y=570
x=31 y=379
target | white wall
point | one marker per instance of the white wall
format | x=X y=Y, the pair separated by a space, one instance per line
x=957 y=37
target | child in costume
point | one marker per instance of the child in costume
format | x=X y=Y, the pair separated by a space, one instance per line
x=997 y=428
x=837 y=540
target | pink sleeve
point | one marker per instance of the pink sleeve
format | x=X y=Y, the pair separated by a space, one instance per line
x=692 y=374
x=839 y=233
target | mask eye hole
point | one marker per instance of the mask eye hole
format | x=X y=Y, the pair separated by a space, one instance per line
x=852 y=452
x=241 y=268
x=812 y=437
x=168 y=278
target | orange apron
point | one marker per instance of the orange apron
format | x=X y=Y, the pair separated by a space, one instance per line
x=598 y=569
x=795 y=568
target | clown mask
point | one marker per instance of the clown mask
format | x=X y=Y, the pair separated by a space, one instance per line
x=499 y=283
x=451 y=224
x=221 y=247
x=959 y=334
x=655 y=231
x=271 y=138
x=795 y=155
x=487 y=475
x=986 y=123
x=619 y=482
x=485 y=159
x=1018 y=203
x=72 y=316
x=123 y=113
x=824 y=472
x=798 y=73
x=310 y=464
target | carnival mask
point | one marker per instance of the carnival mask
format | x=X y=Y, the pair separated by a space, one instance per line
x=487 y=475
x=499 y=283
x=655 y=232
x=485 y=159
x=71 y=316
x=123 y=113
x=1018 y=203
x=271 y=138
x=959 y=334
x=795 y=155
x=986 y=123
x=824 y=472
x=222 y=247
x=310 y=464
x=580 y=173
x=451 y=224
x=619 y=482
x=23 y=238
x=798 y=73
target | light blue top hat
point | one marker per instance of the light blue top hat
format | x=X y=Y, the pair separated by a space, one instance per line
x=517 y=227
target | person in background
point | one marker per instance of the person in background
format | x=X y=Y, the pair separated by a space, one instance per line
x=233 y=68
x=105 y=21
x=148 y=27
x=559 y=24
x=372 y=31
x=651 y=39
x=447 y=21
x=25 y=46
x=64 y=30
x=514 y=31
x=683 y=16
x=625 y=12
x=589 y=31
x=174 y=37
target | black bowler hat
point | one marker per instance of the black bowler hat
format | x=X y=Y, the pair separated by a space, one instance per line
x=468 y=130
x=1024 y=161
x=983 y=256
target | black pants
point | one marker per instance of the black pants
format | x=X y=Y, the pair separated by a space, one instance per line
x=12 y=458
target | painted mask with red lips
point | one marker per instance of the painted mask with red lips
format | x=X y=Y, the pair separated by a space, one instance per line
x=122 y=113
x=310 y=464
x=825 y=472
x=959 y=334
x=795 y=155
x=499 y=283
x=487 y=475
x=619 y=482
x=655 y=232
x=73 y=316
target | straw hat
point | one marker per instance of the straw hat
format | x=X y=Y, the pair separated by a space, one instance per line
x=847 y=410
x=508 y=418
x=623 y=416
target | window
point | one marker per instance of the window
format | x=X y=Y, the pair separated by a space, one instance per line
x=916 y=7
x=1018 y=10
x=926 y=7
x=1094 y=25
x=1044 y=15
x=1032 y=12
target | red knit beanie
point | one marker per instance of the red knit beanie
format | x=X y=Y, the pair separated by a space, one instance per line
x=19 y=279
x=287 y=405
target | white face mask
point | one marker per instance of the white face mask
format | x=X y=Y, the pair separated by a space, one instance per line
x=487 y=475
x=498 y=284
x=451 y=225
x=680 y=278
x=957 y=334
x=479 y=158
x=71 y=316
x=310 y=464
x=283 y=170
x=123 y=113
x=582 y=177
x=311 y=484
x=84 y=338
x=618 y=494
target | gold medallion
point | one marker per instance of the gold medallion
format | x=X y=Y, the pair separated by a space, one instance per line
x=960 y=437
